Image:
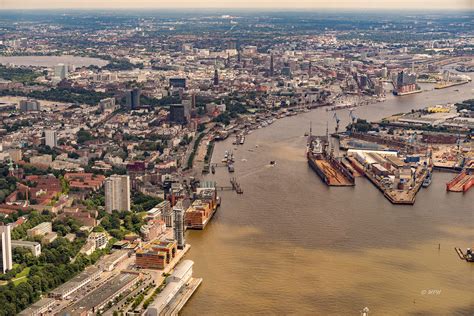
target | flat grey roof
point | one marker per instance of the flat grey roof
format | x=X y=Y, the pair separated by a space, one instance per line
x=101 y=294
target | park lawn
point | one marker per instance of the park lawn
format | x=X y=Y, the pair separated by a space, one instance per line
x=22 y=276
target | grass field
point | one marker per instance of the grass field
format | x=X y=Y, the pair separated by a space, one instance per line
x=22 y=276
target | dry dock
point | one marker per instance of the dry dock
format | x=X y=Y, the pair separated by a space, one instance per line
x=461 y=183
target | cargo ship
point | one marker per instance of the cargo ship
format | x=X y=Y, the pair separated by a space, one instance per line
x=327 y=167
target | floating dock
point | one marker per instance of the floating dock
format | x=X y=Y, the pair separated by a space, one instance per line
x=332 y=172
x=461 y=183
x=327 y=167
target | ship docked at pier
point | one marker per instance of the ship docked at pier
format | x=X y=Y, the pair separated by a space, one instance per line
x=328 y=167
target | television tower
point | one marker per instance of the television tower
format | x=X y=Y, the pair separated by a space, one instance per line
x=272 y=70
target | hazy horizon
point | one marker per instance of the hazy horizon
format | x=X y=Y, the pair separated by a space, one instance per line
x=243 y=4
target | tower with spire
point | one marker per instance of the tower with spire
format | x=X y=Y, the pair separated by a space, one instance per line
x=216 y=74
x=216 y=77
x=272 y=70
x=11 y=170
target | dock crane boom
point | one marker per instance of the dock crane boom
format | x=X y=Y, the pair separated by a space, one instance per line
x=353 y=119
x=337 y=121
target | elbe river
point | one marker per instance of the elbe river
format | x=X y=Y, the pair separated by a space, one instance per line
x=292 y=245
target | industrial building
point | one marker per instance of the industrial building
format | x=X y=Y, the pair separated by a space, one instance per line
x=110 y=262
x=42 y=307
x=71 y=286
x=95 y=301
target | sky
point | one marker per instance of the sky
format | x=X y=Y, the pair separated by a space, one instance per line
x=268 y=4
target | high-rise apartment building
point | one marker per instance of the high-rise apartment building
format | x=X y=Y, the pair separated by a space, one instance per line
x=60 y=71
x=50 y=138
x=117 y=193
x=6 y=248
x=178 y=210
x=133 y=99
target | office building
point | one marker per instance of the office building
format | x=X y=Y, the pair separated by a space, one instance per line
x=50 y=138
x=179 y=114
x=117 y=193
x=60 y=71
x=178 y=83
x=157 y=254
x=179 y=224
x=133 y=99
x=6 y=248
x=29 y=105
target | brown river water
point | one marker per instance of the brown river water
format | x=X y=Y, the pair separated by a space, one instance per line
x=292 y=246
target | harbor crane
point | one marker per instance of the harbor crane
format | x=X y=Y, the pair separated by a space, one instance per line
x=353 y=119
x=337 y=121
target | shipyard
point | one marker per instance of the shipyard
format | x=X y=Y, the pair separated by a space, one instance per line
x=398 y=154
x=235 y=162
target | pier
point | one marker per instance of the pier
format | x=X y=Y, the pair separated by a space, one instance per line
x=181 y=298
x=398 y=196
x=234 y=186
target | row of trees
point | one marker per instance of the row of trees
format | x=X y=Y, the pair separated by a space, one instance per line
x=23 y=75
x=63 y=94
x=59 y=262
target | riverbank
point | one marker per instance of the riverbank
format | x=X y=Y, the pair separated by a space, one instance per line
x=348 y=247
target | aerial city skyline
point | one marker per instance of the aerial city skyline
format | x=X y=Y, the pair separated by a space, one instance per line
x=245 y=4
x=271 y=160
